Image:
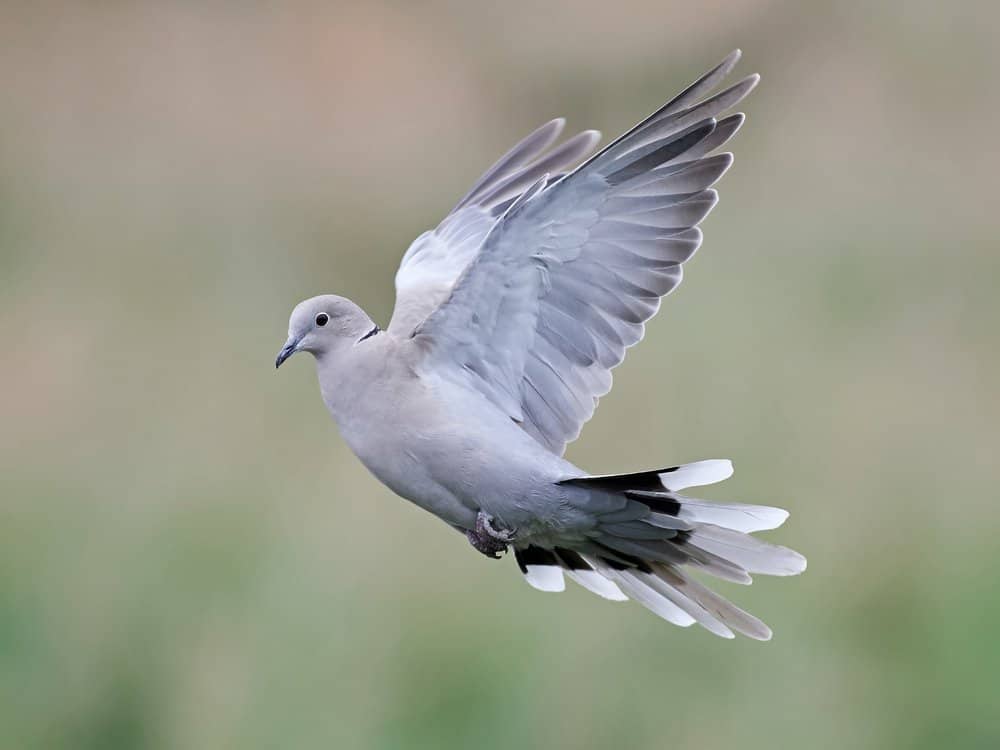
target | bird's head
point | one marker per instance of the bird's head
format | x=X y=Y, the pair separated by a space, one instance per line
x=323 y=324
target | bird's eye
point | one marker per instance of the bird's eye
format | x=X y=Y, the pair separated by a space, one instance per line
x=322 y=319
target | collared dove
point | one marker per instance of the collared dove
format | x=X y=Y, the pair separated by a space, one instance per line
x=509 y=318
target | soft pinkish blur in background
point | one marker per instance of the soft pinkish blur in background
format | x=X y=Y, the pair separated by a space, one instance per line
x=191 y=558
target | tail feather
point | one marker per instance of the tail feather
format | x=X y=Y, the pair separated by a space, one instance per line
x=718 y=567
x=634 y=584
x=541 y=569
x=724 y=610
x=642 y=549
x=749 y=553
x=744 y=518
x=697 y=474
x=658 y=582
x=584 y=573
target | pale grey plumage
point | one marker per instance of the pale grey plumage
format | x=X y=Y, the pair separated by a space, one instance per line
x=510 y=316
x=588 y=254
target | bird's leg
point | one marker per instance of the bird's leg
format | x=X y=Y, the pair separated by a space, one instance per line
x=487 y=538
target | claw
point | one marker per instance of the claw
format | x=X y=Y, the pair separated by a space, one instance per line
x=488 y=548
x=504 y=535
x=487 y=538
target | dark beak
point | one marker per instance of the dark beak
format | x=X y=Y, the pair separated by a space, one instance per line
x=290 y=347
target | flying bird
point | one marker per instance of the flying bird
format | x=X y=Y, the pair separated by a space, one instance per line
x=509 y=317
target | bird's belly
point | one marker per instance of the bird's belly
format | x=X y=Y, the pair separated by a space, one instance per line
x=455 y=455
x=403 y=459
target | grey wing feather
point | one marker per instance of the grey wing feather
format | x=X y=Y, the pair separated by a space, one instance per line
x=436 y=259
x=566 y=279
x=514 y=160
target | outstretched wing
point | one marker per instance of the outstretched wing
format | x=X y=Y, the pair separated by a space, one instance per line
x=566 y=278
x=436 y=259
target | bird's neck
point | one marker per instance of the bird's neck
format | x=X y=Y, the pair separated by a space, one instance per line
x=346 y=377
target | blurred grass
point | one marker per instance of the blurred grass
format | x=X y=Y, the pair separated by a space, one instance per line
x=189 y=556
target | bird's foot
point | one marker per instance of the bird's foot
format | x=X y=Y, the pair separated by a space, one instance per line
x=489 y=539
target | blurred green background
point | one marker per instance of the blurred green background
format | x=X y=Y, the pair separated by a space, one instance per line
x=191 y=558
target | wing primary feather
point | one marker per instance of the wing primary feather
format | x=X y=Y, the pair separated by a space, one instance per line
x=663 y=153
x=703 y=85
x=523 y=152
x=567 y=153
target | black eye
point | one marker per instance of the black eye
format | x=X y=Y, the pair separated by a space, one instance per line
x=322 y=319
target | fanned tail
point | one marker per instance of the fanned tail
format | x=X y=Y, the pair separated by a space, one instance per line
x=648 y=538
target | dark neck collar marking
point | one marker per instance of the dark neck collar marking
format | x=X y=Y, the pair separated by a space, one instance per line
x=371 y=333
